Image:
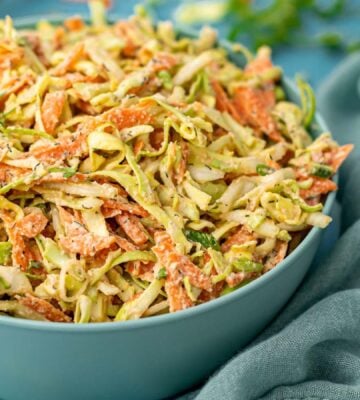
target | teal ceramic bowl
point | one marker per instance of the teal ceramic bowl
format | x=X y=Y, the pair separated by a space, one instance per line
x=151 y=358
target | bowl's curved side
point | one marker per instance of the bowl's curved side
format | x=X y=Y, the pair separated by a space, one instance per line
x=150 y=358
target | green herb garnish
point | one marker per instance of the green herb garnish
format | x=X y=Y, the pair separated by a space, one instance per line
x=162 y=274
x=205 y=239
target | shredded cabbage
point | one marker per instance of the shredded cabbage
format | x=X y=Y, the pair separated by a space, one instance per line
x=143 y=173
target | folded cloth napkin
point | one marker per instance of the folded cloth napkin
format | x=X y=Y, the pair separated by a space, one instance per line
x=312 y=349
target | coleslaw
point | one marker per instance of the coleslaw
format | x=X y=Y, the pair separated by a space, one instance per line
x=144 y=173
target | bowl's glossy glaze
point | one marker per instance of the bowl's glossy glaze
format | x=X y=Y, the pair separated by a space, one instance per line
x=150 y=358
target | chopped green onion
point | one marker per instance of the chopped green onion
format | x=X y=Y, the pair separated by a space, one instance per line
x=308 y=101
x=322 y=171
x=243 y=264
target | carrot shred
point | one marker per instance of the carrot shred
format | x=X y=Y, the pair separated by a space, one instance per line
x=111 y=208
x=339 y=155
x=319 y=186
x=74 y=24
x=223 y=103
x=133 y=228
x=78 y=239
x=171 y=259
x=52 y=109
x=255 y=106
x=276 y=256
x=240 y=236
x=44 y=308
x=75 y=54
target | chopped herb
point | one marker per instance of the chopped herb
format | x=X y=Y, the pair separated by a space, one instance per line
x=263 y=169
x=205 y=239
x=322 y=171
x=162 y=274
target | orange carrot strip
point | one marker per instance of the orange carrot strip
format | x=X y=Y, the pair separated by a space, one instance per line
x=319 y=186
x=44 y=308
x=177 y=296
x=78 y=240
x=339 y=155
x=9 y=172
x=171 y=259
x=74 y=24
x=118 y=207
x=32 y=224
x=276 y=256
x=255 y=106
x=240 y=236
x=74 y=55
x=66 y=147
x=126 y=117
x=133 y=228
x=223 y=103
x=52 y=109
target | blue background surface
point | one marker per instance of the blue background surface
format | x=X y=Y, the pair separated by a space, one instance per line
x=314 y=63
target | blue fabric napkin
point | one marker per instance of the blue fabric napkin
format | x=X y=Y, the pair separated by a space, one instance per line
x=312 y=350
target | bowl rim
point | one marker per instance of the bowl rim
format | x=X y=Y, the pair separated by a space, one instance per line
x=192 y=312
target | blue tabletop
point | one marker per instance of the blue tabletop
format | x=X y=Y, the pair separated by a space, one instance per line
x=315 y=63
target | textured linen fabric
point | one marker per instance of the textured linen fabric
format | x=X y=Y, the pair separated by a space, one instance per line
x=312 y=349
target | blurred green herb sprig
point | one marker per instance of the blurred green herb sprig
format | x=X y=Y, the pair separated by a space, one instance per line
x=273 y=22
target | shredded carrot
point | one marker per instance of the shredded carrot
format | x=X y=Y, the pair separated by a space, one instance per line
x=318 y=187
x=171 y=259
x=32 y=224
x=255 y=106
x=52 y=109
x=111 y=208
x=223 y=103
x=132 y=227
x=276 y=256
x=76 y=53
x=74 y=24
x=240 y=236
x=126 y=117
x=339 y=155
x=44 y=308
x=78 y=239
